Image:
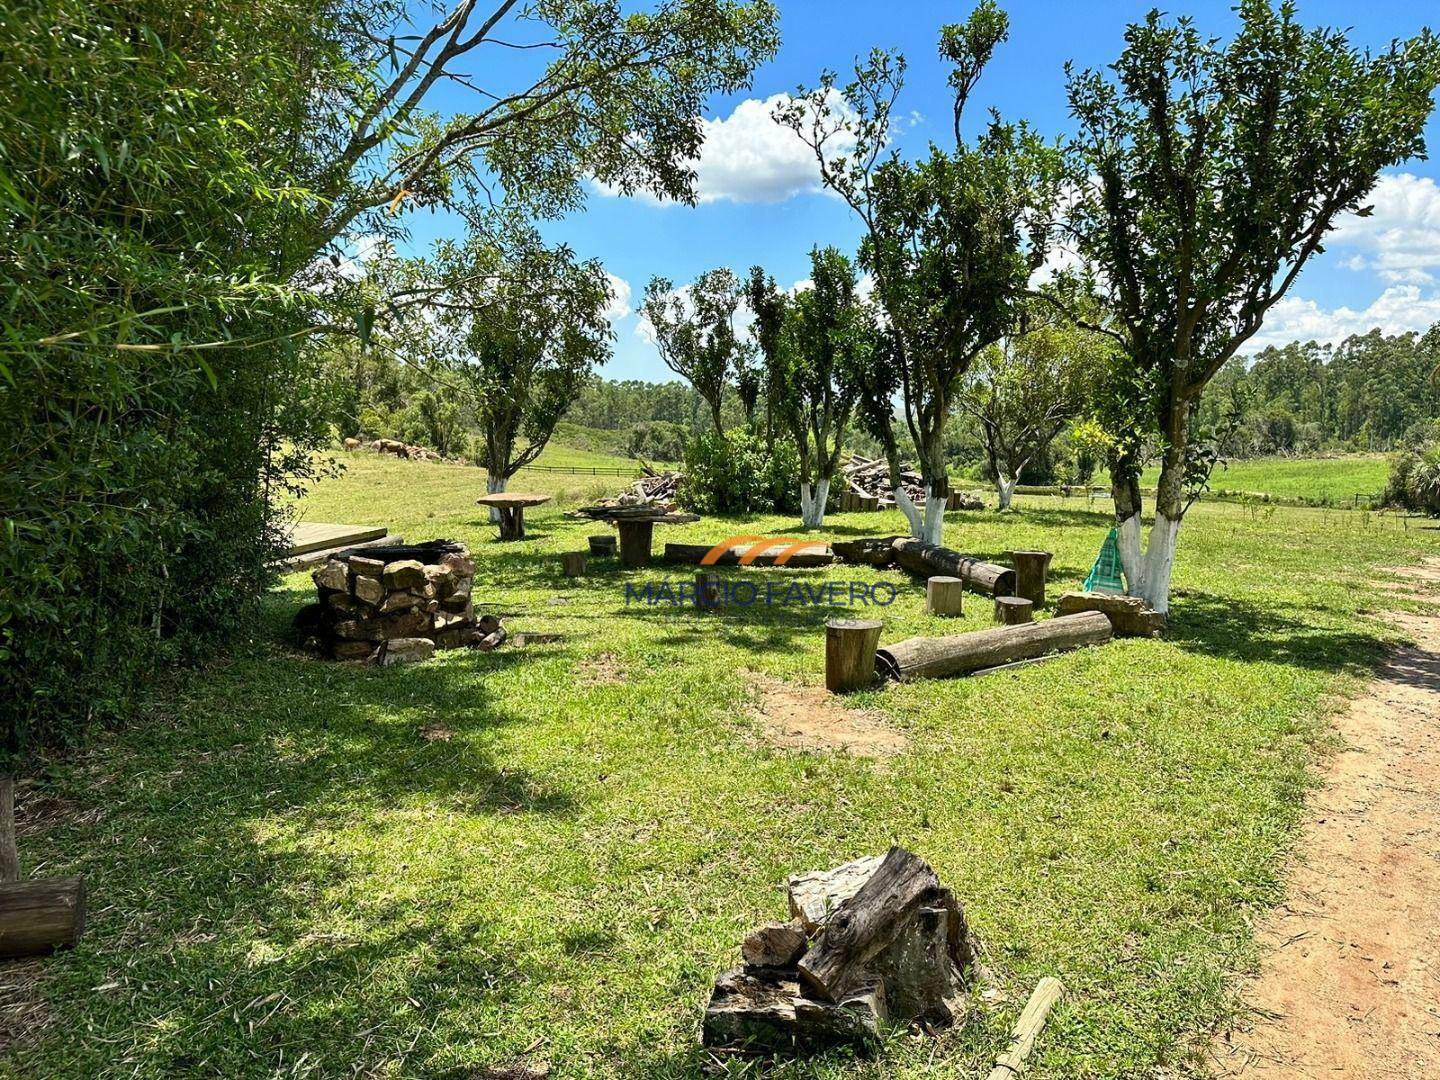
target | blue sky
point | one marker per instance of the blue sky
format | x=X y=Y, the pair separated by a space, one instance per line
x=758 y=187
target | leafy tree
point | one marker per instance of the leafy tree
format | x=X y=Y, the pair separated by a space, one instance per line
x=814 y=345
x=951 y=240
x=516 y=330
x=1024 y=390
x=1205 y=178
x=696 y=333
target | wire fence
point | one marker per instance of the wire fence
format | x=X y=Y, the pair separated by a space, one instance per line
x=585 y=470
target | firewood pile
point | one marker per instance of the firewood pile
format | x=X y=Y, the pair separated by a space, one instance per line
x=867 y=487
x=652 y=492
x=395 y=605
x=875 y=941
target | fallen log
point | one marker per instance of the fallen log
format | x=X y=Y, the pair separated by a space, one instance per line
x=871 y=550
x=928 y=560
x=40 y=916
x=960 y=654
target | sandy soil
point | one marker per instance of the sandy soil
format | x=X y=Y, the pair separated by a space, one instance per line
x=799 y=717
x=1350 y=984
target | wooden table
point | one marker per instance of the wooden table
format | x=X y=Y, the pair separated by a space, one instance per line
x=511 y=505
x=637 y=533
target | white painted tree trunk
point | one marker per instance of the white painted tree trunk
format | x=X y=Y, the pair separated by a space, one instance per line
x=933 y=530
x=1147 y=572
x=911 y=512
x=1006 y=487
x=494 y=485
x=812 y=503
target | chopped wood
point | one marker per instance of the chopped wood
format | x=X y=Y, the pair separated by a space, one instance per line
x=960 y=654
x=815 y=895
x=651 y=493
x=1008 y=1065
x=927 y=560
x=38 y=917
x=775 y=944
x=761 y=1010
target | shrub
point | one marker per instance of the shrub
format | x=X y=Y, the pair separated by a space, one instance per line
x=1414 y=481
x=740 y=473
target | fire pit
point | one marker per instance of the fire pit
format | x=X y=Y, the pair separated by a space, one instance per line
x=395 y=604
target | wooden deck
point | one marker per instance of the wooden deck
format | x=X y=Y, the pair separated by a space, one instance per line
x=309 y=536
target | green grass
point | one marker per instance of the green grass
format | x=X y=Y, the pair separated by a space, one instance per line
x=288 y=879
x=1336 y=480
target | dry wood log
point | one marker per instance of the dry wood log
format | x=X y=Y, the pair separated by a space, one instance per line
x=871 y=550
x=1012 y=610
x=850 y=653
x=574 y=563
x=815 y=895
x=927 y=560
x=868 y=922
x=775 y=944
x=40 y=916
x=1008 y=1065
x=944 y=595
x=761 y=1010
x=1129 y=615
x=959 y=654
x=1030 y=570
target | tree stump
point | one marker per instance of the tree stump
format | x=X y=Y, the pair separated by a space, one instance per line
x=850 y=653
x=602 y=546
x=635 y=540
x=1030 y=570
x=944 y=595
x=1012 y=610
x=709 y=590
x=37 y=917
x=574 y=563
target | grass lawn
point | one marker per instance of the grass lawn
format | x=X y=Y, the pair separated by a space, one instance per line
x=304 y=868
x=1338 y=479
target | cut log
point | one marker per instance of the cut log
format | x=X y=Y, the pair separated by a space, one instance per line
x=850 y=653
x=871 y=550
x=812 y=554
x=602 y=546
x=1012 y=610
x=709 y=590
x=959 y=654
x=1129 y=615
x=37 y=917
x=944 y=595
x=1030 y=570
x=815 y=895
x=635 y=540
x=1008 y=1065
x=927 y=560
x=574 y=563
x=775 y=944
x=868 y=922
x=761 y=1011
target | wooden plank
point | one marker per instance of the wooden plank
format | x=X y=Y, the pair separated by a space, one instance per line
x=308 y=536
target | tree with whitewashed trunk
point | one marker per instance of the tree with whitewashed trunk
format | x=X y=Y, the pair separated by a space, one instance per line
x=516 y=328
x=951 y=239
x=698 y=336
x=1022 y=391
x=813 y=343
x=1204 y=179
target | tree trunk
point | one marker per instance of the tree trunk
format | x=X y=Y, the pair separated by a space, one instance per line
x=812 y=503
x=1147 y=571
x=1006 y=487
x=9 y=854
x=494 y=485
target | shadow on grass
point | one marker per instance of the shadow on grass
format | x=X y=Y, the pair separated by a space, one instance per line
x=1240 y=630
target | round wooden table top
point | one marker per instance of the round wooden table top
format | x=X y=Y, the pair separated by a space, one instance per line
x=506 y=499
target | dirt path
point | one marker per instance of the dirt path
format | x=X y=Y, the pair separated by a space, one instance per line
x=1350 y=985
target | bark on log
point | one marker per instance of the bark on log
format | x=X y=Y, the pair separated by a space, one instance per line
x=9 y=854
x=1012 y=610
x=37 y=917
x=927 y=560
x=774 y=945
x=574 y=563
x=635 y=540
x=850 y=653
x=959 y=654
x=761 y=1010
x=1030 y=570
x=944 y=595
x=868 y=922
x=871 y=550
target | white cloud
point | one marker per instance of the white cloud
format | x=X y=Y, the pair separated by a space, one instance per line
x=1398 y=309
x=748 y=158
x=1401 y=240
x=620 y=296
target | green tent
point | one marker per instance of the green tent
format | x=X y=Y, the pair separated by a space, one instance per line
x=1105 y=574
